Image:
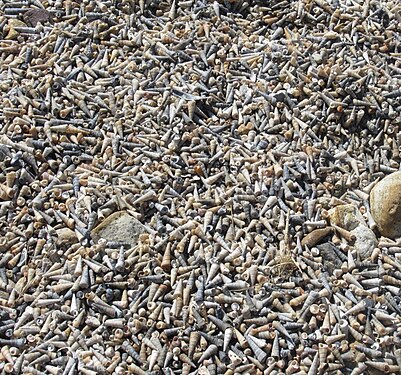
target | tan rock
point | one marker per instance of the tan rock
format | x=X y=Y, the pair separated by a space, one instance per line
x=385 y=205
x=120 y=227
x=13 y=22
x=12 y=33
x=346 y=216
x=66 y=237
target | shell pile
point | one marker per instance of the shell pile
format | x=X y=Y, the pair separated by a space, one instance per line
x=231 y=130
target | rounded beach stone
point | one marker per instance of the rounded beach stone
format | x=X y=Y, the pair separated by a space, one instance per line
x=385 y=205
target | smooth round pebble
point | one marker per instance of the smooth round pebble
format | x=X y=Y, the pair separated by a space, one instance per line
x=385 y=203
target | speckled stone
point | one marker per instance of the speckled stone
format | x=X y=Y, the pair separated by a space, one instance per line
x=385 y=205
x=348 y=216
x=119 y=227
x=66 y=237
x=365 y=241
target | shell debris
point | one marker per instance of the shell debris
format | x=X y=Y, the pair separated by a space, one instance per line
x=245 y=137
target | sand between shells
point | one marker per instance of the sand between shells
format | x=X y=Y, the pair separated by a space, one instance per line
x=242 y=140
